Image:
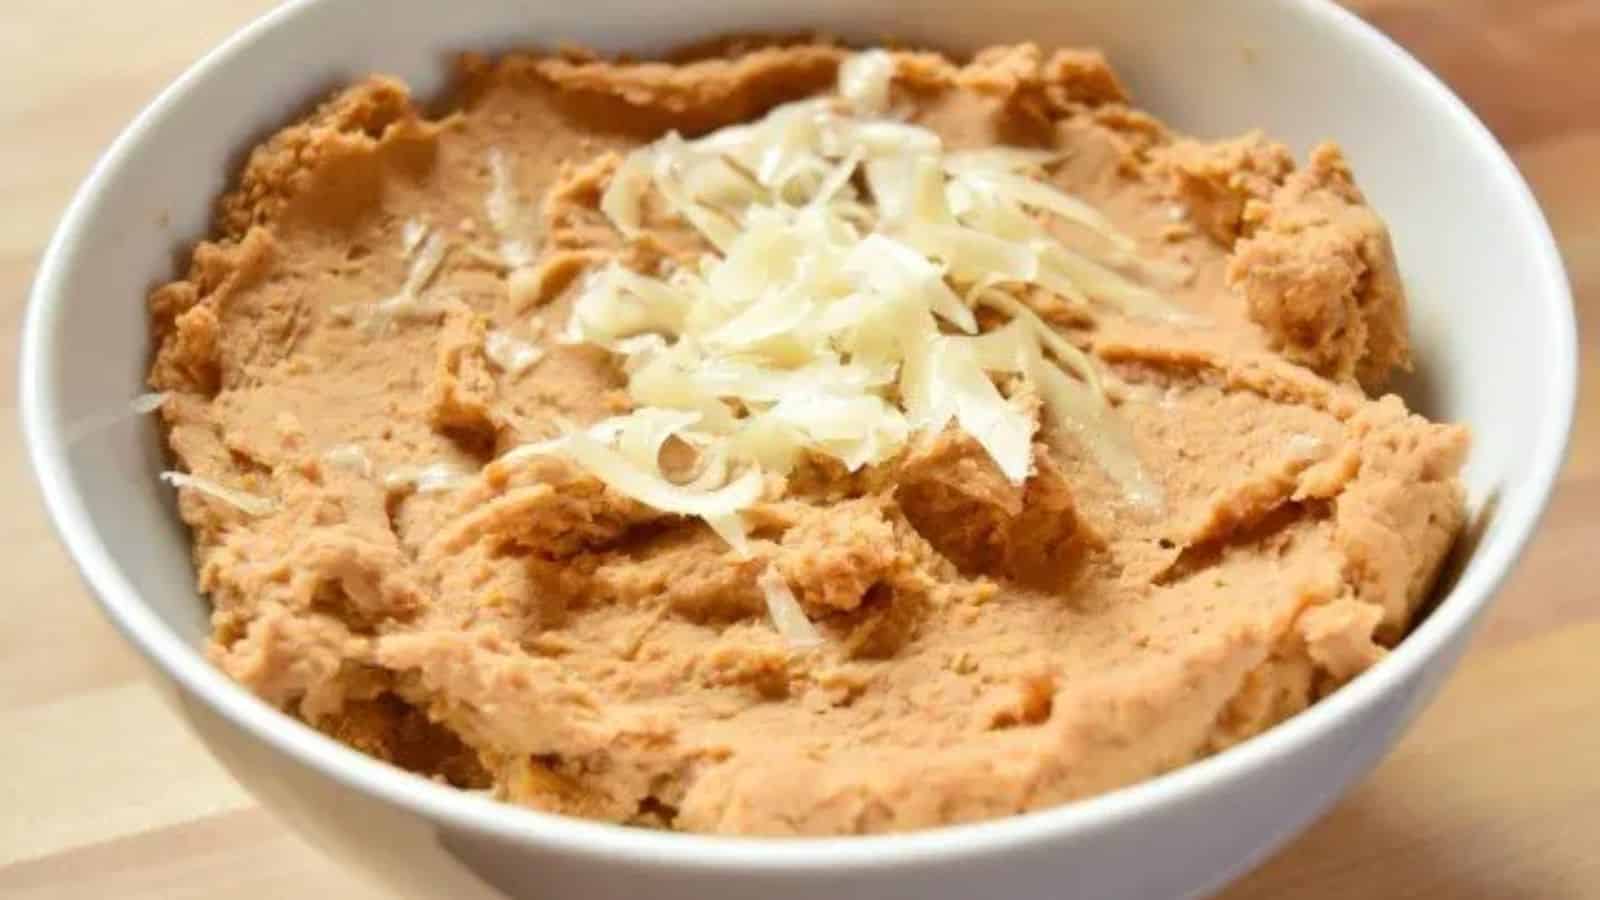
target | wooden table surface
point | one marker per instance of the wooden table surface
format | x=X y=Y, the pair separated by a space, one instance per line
x=1494 y=794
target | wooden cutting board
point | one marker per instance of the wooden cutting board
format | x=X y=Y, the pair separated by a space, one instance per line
x=1494 y=794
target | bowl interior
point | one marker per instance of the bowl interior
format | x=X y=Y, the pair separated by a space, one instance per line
x=1490 y=312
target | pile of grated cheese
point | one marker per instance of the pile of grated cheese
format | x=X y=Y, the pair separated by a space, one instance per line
x=836 y=313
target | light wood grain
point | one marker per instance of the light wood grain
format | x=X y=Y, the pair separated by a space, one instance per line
x=1494 y=794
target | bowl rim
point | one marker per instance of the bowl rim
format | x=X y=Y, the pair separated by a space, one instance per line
x=184 y=663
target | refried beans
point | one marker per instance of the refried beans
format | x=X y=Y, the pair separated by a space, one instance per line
x=850 y=588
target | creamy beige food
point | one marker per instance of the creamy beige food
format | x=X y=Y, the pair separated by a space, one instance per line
x=755 y=444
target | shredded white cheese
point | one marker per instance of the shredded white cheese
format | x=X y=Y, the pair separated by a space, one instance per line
x=412 y=233
x=430 y=479
x=635 y=471
x=512 y=354
x=351 y=458
x=835 y=314
x=410 y=304
x=788 y=618
x=144 y=404
x=513 y=224
x=378 y=317
x=425 y=264
x=864 y=81
x=245 y=502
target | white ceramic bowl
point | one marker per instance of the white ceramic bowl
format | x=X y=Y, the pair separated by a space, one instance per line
x=1494 y=331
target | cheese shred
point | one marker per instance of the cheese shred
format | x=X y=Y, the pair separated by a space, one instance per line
x=788 y=618
x=240 y=500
